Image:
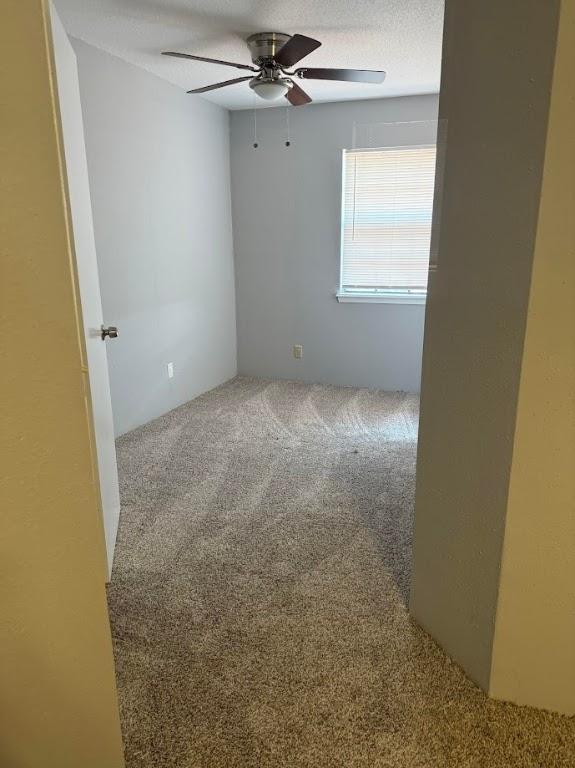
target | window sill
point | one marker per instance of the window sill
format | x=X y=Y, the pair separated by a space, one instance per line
x=380 y=298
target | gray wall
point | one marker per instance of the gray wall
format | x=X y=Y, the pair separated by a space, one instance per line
x=286 y=215
x=158 y=162
x=496 y=108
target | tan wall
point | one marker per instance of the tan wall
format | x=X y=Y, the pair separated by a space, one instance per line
x=58 y=704
x=534 y=646
x=497 y=68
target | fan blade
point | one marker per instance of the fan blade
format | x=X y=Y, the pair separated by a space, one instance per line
x=295 y=49
x=220 y=85
x=297 y=96
x=210 y=61
x=345 y=75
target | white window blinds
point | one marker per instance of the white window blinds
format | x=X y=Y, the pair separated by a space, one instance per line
x=386 y=220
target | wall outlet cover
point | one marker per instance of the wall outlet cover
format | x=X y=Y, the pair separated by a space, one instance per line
x=170 y=368
x=298 y=351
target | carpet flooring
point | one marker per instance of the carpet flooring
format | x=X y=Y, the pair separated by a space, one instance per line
x=258 y=599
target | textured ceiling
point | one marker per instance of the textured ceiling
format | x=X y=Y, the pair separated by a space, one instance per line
x=402 y=37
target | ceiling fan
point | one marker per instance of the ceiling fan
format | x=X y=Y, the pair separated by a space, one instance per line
x=272 y=54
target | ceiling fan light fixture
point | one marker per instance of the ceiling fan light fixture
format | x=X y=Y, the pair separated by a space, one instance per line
x=273 y=53
x=270 y=90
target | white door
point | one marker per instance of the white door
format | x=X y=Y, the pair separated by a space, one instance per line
x=87 y=268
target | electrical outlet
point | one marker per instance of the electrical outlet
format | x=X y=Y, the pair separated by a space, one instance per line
x=170 y=367
x=298 y=351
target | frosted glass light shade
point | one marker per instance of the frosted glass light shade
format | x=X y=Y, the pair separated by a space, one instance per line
x=270 y=90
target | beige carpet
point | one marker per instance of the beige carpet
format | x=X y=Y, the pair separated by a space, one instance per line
x=258 y=599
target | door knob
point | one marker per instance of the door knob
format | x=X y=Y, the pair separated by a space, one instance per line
x=111 y=332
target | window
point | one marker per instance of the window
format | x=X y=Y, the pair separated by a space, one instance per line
x=387 y=203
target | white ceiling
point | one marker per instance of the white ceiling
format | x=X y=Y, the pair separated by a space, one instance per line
x=402 y=37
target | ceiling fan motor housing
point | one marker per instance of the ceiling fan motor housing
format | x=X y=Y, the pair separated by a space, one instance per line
x=265 y=45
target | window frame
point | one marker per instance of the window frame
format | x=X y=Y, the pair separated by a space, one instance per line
x=377 y=295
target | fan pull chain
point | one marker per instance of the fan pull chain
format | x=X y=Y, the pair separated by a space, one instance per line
x=255 y=124
x=288 y=138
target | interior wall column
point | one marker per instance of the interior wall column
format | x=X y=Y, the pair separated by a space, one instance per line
x=491 y=360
